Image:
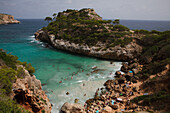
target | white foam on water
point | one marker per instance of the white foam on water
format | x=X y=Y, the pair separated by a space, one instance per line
x=32 y=39
x=79 y=81
x=32 y=36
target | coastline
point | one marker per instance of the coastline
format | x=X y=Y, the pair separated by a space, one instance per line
x=94 y=90
x=118 y=53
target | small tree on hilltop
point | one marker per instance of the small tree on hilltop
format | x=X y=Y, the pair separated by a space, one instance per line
x=48 y=19
x=54 y=16
x=116 y=21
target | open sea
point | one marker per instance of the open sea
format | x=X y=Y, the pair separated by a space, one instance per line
x=62 y=72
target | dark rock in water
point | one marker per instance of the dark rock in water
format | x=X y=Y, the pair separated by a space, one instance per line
x=44 y=84
x=95 y=71
x=76 y=100
x=118 y=73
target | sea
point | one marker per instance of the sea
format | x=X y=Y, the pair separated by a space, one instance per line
x=64 y=76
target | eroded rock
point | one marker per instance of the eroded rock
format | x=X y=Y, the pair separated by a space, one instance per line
x=72 y=108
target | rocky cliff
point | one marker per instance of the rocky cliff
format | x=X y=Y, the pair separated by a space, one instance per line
x=19 y=88
x=84 y=32
x=28 y=92
x=130 y=51
x=8 y=19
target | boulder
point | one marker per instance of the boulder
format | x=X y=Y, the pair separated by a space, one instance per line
x=124 y=67
x=89 y=101
x=76 y=100
x=118 y=73
x=121 y=80
x=135 y=71
x=107 y=109
x=108 y=84
x=72 y=108
x=27 y=91
x=115 y=107
x=128 y=78
x=134 y=65
x=133 y=106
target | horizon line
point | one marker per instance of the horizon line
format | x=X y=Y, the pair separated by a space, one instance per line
x=106 y=19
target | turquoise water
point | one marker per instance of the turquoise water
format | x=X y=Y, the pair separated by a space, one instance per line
x=58 y=71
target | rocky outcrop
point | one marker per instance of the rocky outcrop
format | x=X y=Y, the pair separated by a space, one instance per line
x=28 y=92
x=72 y=108
x=90 y=12
x=130 y=51
x=8 y=19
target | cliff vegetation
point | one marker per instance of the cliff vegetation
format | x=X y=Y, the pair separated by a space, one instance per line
x=8 y=74
x=20 y=91
x=87 y=27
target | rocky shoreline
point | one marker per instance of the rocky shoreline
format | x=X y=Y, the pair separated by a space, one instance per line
x=8 y=19
x=129 y=52
x=118 y=94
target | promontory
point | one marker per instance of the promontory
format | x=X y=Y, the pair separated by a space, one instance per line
x=8 y=19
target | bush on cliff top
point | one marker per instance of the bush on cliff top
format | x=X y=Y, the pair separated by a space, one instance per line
x=156 y=47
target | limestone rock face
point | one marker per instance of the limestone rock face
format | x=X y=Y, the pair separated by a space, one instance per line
x=128 y=52
x=90 y=12
x=72 y=108
x=8 y=19
x=28 y=92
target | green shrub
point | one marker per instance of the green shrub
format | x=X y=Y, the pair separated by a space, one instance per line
x=9 y=59
x=120 y=28
x=141 y=31
x=27 y=66
x=155 y=32
x=9 y=106
x=43 y=111
x=7 y=76
x=150 y=99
